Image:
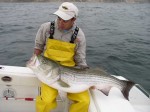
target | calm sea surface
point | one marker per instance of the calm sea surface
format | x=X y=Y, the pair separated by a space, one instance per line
x=118 y=35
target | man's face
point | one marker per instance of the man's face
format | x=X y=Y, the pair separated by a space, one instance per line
x=65 y=24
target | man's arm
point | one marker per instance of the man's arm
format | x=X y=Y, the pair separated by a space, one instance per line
x=80 y=55
x=41 y=39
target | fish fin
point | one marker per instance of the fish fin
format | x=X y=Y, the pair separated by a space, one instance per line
x=99 y=70
x=62 y=83
x=105 y=90
x=127 y=89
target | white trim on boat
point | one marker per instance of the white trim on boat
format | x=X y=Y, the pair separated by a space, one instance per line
x=23 y=86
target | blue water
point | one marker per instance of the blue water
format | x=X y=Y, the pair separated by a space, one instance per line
x=118 y=35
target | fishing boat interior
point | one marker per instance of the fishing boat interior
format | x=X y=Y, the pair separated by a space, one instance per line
x=19 y=88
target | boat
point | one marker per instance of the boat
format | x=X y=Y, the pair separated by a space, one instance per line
x=19 y=88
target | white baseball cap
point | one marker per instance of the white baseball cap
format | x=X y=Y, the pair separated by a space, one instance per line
x=67 y=11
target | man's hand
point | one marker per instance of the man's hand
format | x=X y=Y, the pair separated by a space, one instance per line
x=84 y=67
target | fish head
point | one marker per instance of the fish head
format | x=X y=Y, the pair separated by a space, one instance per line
x=44 y=68
x=33 y=62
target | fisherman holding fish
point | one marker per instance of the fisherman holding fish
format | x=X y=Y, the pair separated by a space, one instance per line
x=64 y=42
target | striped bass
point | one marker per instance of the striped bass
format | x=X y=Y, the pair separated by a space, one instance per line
x=75 y=80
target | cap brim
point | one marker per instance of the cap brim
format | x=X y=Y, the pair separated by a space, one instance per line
x=63 y=15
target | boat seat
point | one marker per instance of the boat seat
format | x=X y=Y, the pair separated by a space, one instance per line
x=113 y=102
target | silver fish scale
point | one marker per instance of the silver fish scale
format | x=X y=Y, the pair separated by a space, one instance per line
x=90 y=77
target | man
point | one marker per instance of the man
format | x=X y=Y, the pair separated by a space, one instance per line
x=62 y=41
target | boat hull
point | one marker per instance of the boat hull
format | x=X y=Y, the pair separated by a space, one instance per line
x=19 y=88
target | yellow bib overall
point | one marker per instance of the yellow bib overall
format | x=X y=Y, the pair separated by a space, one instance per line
x=62 y=52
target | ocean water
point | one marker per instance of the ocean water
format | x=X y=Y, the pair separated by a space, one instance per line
x=118 y=35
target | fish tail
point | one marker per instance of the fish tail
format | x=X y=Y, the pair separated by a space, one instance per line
x=126 y=90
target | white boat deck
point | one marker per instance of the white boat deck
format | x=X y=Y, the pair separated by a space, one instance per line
x=25 y=85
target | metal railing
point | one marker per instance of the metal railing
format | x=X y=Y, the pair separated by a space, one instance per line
x=143 y=90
